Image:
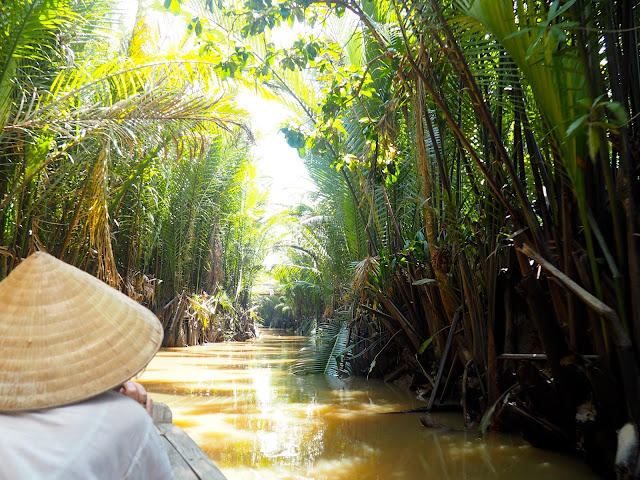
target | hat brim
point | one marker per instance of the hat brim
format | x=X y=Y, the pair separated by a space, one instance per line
x=66 y=336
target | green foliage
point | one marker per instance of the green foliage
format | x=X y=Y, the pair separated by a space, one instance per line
x=115 y=162
x=327 y=352
x=245 y=234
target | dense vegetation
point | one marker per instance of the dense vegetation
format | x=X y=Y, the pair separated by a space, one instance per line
x=478 y=170
x=129 y=161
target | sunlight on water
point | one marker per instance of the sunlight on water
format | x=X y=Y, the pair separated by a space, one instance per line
x=239 y=402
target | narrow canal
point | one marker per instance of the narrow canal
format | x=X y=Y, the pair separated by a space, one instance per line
x=255 y=420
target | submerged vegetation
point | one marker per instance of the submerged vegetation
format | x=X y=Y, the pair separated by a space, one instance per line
x=477 y=166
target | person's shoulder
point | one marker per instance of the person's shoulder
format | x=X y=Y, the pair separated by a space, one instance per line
x=118 y=406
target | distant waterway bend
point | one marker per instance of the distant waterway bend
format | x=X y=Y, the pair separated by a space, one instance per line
x=256 y=420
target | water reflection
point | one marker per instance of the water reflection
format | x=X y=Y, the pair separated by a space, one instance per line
x=257 y=421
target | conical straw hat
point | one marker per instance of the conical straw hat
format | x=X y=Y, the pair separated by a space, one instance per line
x=66 y=336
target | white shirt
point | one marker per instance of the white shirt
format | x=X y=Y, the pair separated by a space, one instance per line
x=108 y=437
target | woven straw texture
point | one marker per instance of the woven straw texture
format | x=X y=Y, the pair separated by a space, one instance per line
x=66 y=336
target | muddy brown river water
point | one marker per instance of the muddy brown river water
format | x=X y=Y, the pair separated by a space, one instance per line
x=256 y=420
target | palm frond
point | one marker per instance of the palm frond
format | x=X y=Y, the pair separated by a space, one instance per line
x=327 y=352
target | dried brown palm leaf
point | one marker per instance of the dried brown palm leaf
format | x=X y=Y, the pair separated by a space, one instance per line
x=363 y=269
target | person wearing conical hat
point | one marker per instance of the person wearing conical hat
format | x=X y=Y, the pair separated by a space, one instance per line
x=68 y=341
